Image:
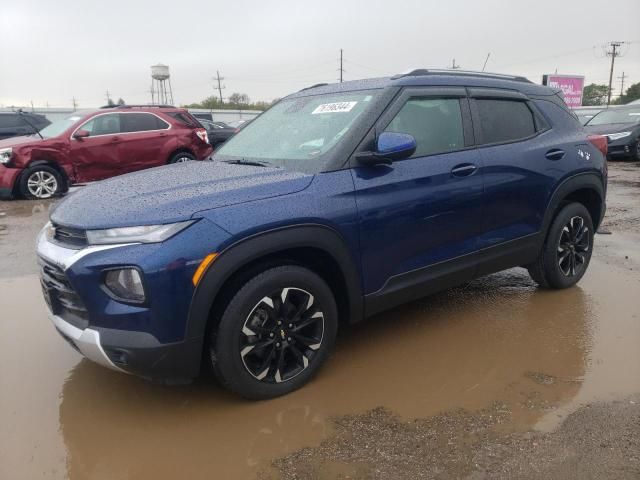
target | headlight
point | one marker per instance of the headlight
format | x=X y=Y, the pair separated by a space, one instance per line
x=142 y=234
x=126 y=284
x=5 y=155
x=617 y=136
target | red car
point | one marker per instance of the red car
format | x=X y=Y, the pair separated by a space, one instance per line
x=90 y=146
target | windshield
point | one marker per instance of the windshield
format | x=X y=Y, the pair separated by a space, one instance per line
x=298 y=133
x=616 y=116
x=59 y=126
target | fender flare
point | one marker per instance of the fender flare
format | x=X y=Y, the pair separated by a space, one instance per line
x=581 y=181
x=251 y=248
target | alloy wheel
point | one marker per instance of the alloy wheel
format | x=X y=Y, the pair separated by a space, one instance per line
x=573 y=246
x=42 y=184
x=282 y=335
x=183 y=159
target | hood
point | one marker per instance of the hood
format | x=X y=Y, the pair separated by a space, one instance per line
x=610 y=128
x=172 y=193
x=15 y=141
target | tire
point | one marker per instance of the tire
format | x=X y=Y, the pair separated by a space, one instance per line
x=567 y=250
x=41 y=182
x=181 y=157
x=257 y=358
x=636 y=156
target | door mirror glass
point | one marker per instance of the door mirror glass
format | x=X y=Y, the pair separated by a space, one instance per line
x=80 y=134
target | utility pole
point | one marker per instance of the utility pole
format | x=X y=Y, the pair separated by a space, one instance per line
x=341 y=68
x=613 y=53
x=108 y=97
x=455 y=67
x=622 y=77
x=220 y=86
x=74 y=103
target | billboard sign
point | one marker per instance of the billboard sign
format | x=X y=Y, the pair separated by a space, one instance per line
x=571 y=86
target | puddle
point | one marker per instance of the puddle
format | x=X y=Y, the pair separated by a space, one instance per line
x=496 y=339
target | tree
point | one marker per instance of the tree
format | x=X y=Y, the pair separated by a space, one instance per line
x=120 y=101
x=239 y=99
x=595 y=95
x=110 y=102
x=632 y=93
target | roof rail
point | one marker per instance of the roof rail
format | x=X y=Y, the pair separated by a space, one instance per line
x=314 y=86
x=138 y=106
x=465 y=73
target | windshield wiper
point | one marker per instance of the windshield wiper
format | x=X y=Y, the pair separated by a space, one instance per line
x=253 y=163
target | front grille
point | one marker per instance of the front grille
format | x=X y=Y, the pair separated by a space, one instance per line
x=71 y=237
x=60 y=296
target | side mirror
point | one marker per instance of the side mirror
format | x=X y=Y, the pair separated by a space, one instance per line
x=390 y=146
x=80 y=134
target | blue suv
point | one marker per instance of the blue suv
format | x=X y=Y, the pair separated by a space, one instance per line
x=337 y=203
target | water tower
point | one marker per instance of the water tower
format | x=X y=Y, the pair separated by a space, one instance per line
x=161 y=93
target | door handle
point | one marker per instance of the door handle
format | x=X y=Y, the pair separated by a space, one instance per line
x=115 y=139
x=555 y=154
x=464 y=170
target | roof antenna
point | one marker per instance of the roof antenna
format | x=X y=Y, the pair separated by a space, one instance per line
x=485 y=61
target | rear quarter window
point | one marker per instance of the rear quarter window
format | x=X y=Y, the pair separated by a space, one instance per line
x=185 y=119
x=504 y=120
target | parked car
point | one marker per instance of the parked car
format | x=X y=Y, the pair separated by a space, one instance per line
x=239 y=123
x=585 y=114
x=13 y=124
x=218 y=132
x=338 y=202
x=98 y=144
x=621 y=126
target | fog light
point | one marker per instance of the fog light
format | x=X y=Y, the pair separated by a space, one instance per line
x=125 y=283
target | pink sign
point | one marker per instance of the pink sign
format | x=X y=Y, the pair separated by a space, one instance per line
x=571 y=86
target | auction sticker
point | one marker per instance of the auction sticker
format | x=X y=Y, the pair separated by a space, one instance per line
x=334 y=107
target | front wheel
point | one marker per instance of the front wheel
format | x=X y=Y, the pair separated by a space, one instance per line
x=40 y=182
x=275 y=333
x=565 y=256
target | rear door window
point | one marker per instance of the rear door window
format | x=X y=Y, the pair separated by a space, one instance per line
x=185 y=119
x=141 y=122
x=504 y=120
x=435 y=123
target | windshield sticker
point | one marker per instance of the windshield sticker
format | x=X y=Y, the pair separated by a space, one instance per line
x=334 y=107
x=367 y=98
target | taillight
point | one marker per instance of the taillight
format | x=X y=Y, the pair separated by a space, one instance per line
x=202 y=135
x=600 y=142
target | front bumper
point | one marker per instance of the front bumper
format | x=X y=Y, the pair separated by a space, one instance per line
x=86 y=341
x=623 y=148
x=147 y=340
x=8 y=177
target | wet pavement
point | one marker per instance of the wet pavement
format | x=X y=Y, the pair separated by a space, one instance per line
x=436 y=388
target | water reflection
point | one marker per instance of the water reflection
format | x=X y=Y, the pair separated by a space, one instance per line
x=495 y=339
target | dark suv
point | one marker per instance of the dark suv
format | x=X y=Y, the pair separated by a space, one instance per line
x=14 y=124
x=337 y=203
x=98 y=144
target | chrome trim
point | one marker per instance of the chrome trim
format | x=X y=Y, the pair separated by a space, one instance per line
x=65 y=257
x=87 y=341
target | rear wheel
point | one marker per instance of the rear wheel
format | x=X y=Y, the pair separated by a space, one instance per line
x=182 y=157
x=275 y=333
x=565 y=256
x=40 y=182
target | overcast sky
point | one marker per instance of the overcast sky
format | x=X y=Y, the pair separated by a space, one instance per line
x=51 y=51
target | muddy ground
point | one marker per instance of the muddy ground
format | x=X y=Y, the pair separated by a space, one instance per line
x=494 y=379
